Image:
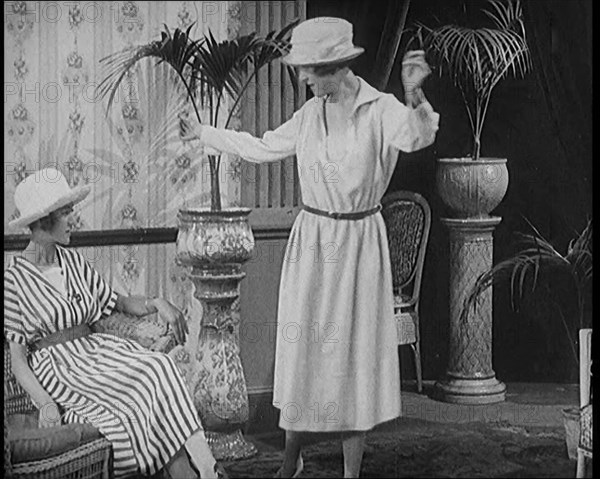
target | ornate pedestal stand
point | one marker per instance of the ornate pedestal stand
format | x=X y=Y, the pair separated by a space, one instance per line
x=220 y=393
x=470 y=378
x=215 y=245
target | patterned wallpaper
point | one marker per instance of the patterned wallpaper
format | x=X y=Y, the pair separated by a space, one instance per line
x=140 y=172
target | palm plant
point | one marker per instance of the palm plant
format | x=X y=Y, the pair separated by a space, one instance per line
x=537 y=257
x=476 y=59
x=210 y=71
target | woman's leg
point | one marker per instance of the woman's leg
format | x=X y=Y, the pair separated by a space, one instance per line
x=293 y=445
x=353 y=444
x=179 y=466
x=201 y=455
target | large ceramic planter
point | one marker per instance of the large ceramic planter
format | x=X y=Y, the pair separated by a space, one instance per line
x=214 y=239
x=471 y=189
x=214 y=245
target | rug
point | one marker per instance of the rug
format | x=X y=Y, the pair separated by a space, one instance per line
x=427 y=449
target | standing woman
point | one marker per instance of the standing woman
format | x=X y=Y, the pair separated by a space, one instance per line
x=336 y=368
x=134 y=396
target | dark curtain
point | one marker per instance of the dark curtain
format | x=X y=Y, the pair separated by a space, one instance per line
x=542 y=125
x=560 y=39
x=352 y=11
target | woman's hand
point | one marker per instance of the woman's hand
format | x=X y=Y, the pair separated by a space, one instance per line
x=173 y=316
x=414 y=70
x=49 y=415
x=49 y=412
x=189 y=130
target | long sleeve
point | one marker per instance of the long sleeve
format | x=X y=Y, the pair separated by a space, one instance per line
x=274 y=145
x=409 y=129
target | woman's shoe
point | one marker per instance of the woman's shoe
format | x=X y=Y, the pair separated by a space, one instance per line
x=297 y=472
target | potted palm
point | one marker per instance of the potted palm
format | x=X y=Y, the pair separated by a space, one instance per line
x=538 y=257
x=539 y=261
x=208 y=70
x=214 y=242
x=476 y=60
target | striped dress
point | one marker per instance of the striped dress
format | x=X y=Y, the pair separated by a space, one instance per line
x=135 y=397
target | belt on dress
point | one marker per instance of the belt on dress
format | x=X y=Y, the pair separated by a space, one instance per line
x=61 y=337
x=359 y=215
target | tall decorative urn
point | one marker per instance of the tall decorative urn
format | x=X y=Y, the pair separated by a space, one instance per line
x=470 y=190
x=214 y=245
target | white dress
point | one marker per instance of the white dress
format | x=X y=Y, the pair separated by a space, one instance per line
x=336 y=364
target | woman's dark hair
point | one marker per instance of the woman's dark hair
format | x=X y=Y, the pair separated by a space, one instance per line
x=46 y=223
x=331 y=68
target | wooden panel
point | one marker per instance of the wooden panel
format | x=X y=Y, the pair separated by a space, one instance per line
x=275 y=110
x=269 y=218
x=139 y=236
x=263 y=416
x=249 y=186
x=263 y=101
x=271 y=189
x=299 y=99
x=259 y=297
x=288 y=105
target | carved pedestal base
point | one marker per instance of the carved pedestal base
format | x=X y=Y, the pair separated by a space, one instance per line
x=230 y=446
x=470 y=378
x=218 y=382
x=470 y=391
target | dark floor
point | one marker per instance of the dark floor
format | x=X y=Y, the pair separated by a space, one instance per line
x=524 y=436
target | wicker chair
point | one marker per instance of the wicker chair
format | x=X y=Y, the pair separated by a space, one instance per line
x=92 y=460
x=585 y=446
x=407 y=216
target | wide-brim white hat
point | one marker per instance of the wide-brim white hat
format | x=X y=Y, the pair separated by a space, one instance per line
x=322 y=41
x=43 y=192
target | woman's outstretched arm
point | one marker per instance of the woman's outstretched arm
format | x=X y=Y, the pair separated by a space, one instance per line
x=275 y=145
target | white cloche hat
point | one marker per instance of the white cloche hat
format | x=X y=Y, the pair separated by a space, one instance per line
x=43 y=192
x=322 y=40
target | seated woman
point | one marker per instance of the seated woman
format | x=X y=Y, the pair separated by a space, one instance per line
x=135 y=397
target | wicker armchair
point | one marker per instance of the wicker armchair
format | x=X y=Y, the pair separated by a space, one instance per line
x=586 y=425
x=407 y=216
x=92 y=460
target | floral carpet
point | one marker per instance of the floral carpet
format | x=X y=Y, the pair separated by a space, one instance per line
x=418 y=448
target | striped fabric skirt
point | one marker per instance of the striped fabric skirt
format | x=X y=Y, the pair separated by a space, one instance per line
x=135 y=397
